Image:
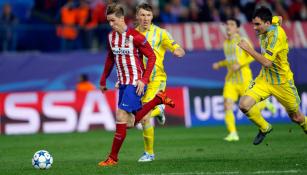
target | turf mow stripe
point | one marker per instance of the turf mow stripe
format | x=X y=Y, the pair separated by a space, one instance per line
x=231 y=172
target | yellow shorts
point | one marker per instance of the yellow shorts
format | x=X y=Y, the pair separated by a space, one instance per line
x=153 y=88
x=234 y=90
x=285 y=93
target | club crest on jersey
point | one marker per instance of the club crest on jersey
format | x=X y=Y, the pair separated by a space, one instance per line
x=126 y=42
x=119 y=50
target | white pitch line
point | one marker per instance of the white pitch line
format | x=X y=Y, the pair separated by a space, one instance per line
x=231 y=172
x=277 y=172
x=198 y=173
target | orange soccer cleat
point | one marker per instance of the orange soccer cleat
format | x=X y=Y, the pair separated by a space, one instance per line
x=108 y=162
x=165 y=100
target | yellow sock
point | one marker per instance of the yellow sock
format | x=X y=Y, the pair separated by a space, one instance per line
x=255 y=116
x=155 y=112
x=230 y=121
x=148 y=133
x=261 y=105
x=304 y=124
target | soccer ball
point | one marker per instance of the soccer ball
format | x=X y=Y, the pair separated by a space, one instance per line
x=42 y=159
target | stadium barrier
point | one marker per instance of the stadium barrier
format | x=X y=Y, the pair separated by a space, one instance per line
x=206 y=108
x=71 y=111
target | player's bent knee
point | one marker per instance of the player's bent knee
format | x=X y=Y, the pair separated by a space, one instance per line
x=243 y=108
x=131 y=122
x=121 y=119
x=244 y=105
x=122 y=116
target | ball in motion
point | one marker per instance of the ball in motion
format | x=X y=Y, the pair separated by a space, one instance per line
x=42 y=159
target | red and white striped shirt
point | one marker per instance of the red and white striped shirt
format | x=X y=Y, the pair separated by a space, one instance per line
x=126 y=50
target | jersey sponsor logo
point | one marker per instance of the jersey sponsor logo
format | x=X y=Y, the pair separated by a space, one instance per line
x=121 y=51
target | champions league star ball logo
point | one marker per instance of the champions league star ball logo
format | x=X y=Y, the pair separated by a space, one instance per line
x=42 y=159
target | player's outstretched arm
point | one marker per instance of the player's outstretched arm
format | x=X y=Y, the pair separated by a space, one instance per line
x=219 y=64
x=108 y=66
x=257 y=56
x=179 y=52
x=170 y=44
x=215 y=66
x=144 y=47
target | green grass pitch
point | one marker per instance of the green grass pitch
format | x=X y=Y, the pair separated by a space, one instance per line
x=179 y=151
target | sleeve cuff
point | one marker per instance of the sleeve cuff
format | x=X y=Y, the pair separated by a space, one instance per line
x=269 y=57
x=175 y=46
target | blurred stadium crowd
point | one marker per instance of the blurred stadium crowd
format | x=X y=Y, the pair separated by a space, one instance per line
x=80 y=24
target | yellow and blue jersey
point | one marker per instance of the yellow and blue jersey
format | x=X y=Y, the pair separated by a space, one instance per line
x=274 y=46
x=160 y=41
x=234 y=54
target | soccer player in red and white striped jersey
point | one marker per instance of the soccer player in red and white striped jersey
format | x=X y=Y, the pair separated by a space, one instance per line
x=126 y=49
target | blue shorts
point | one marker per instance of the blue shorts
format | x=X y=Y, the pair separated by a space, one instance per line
x=128 y=99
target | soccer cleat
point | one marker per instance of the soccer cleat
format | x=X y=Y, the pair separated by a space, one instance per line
x=232 y=137
x=304 y=125
x=261 y=135
x=146 y=157
x=161 y=118
x=165 y=100
x=108 y=162
x=304 y=129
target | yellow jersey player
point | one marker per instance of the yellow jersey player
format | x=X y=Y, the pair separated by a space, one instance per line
x=275 y=77
x=160 y=41
x=239 y=75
